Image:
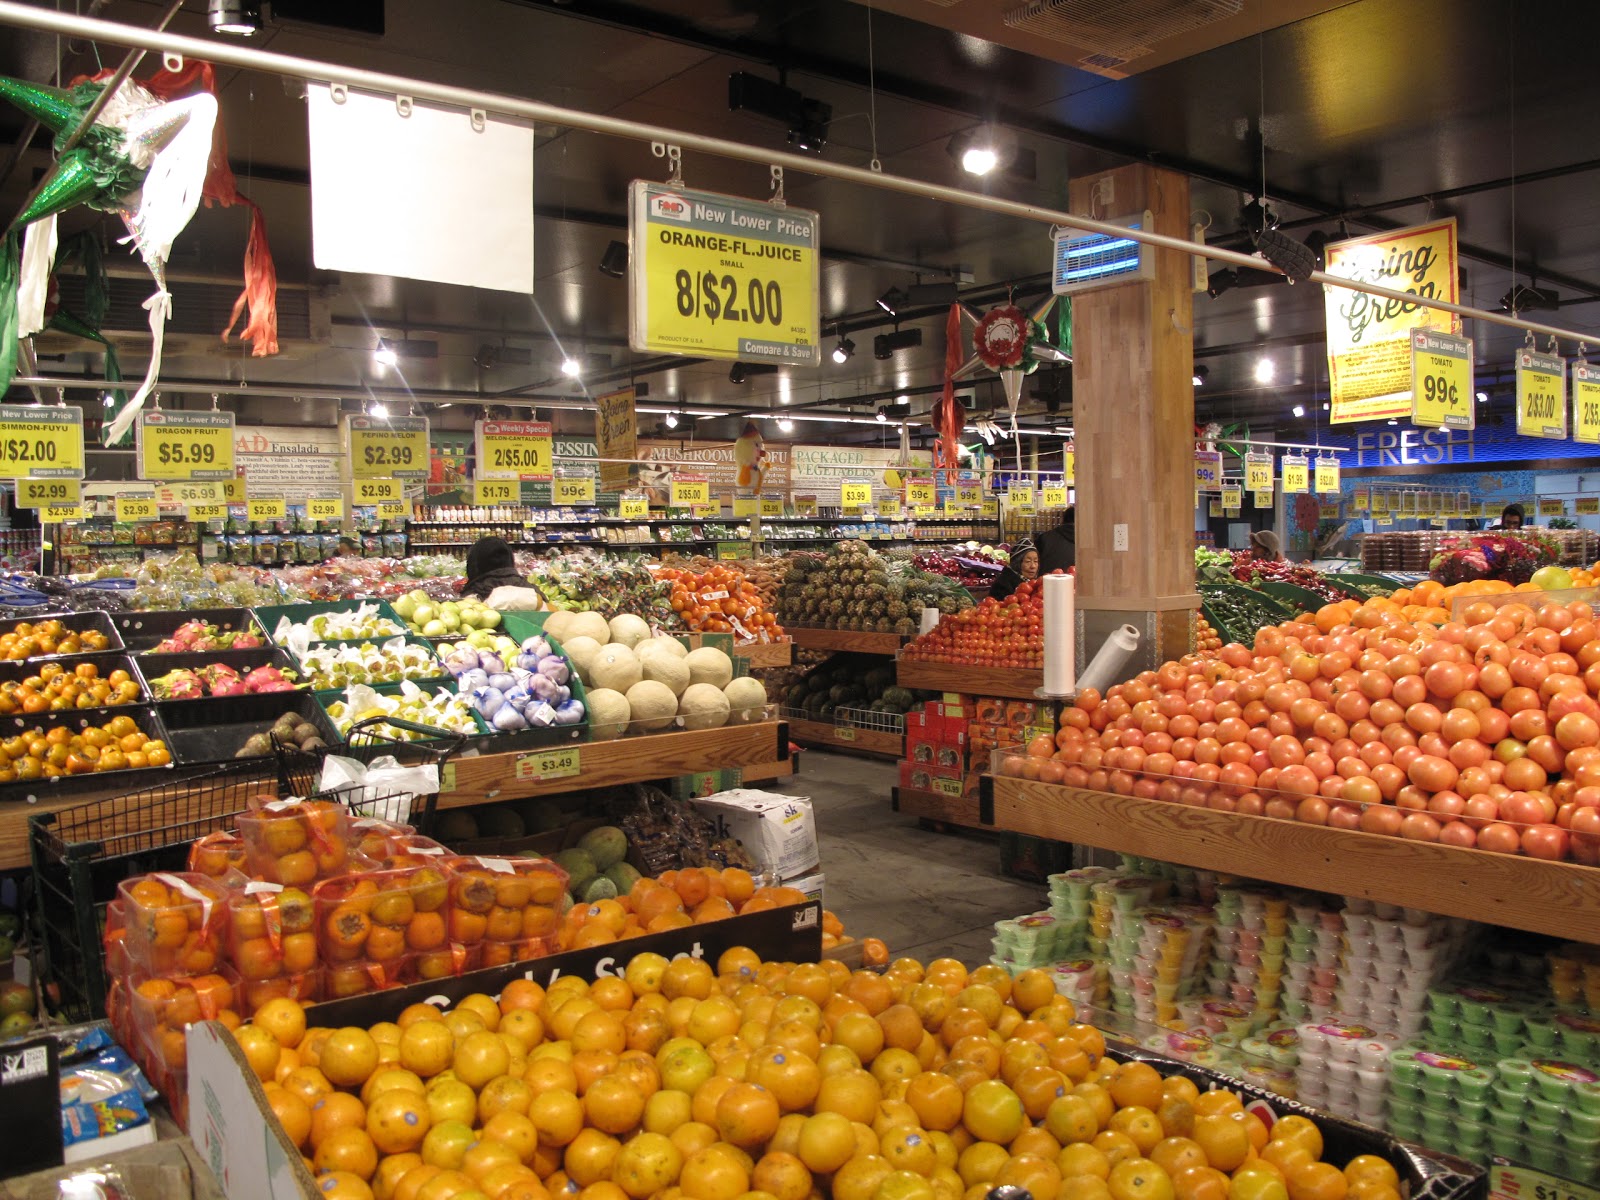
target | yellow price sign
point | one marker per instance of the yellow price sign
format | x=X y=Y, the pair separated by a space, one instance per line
x=855 y=495
x=1586 y=404
x=1386 y=519
x=746 y=506
x=38 y=493
x=550 y=764
x=522 y=448
x=189 y=493
x=1069 y=469
x=969 y=494
x=1541 y=395
x=722 y=277
x=990 y=508
x=805 y=506
x=1019 y=497
x=207 y=512
x=389 y=446
x=233 y=490
x=266 y=510
x=1327 y=476
x=630 y=507
x=1552 y=508
x=573 y=491
x=136 y=507
x=376 y=491
x=688 y=490
x=1361 y=500
x=44 y=442
x=1261 y=499
x=1296 y=475
x=55 y=514
x=921 y=492
x=922 y=511
x=1258 y=472
x=1380 y=502
x=1208 y=470
x=1214 y=507
x=393 y=510
x=772 y=506
x=496 y=491
x=325 y=508
x=1053 y=497
x=889 y=506
x=1232 y=495
x=185 y=445
x=710 y=508
x=1328 y=511
x=1441 y=381
x=1587 y=506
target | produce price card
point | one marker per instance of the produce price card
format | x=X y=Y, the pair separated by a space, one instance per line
x=969 y=494
x=772 y=506
x=184 y=445
x=1441 y=380
x=496 y=491
x=1327 y=476
x=722 y=277
x=1258 y=472
x=522 y=448
x=921 y=492
x=1261 y=499
x=632 y=507
x=233 y=489
x=1232 y=495
x=1053 y=497
x=562 y=763
x=1586 y=403
x=207 y=512
x=394 y=447
x=1541 y=395
x=55 y=514
x=689 y=490
x=852 y=495
x=889 y=506
x=1507 y=1182
x=37 y=493
x=1361 y=500
x=1208 y=470
x=573 y=491
x=1552 y=508
x=325 y=508
x=46 y=443
x=1587 y=506
x=266 y=510
x=746 y=506
x=1019 y=497
x=136 y=506
x=394 y=510
x=1069 y=467
x=375 y=491
x=1296 y=474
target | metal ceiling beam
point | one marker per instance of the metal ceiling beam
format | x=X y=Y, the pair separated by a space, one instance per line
x=29 y=17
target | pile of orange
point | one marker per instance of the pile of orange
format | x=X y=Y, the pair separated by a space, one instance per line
x=117 y=745
x=721 y=600
x=30 y=639
x=767 y=1081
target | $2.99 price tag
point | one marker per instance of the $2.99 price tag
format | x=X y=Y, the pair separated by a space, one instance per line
x=207 y=512
x=550 y=764
x=327 y=508
x=376 y=491
x=266 y=510
x=495 y=491
x=136 y=508
x=389 y=446
x=573 y=491
x=37 y=493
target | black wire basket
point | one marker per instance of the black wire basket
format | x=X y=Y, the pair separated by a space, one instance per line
x=368 y=741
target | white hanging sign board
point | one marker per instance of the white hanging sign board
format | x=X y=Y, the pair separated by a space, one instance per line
x=413 y=189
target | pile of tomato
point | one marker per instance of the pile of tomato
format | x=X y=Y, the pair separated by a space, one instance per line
x=721 y=600
x=1481 y=732
x=996 y=633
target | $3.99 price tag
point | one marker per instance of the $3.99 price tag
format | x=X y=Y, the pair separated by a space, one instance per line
x=496 y=491
x=550 y=764
x=573 y=491
x=37 y=493
x=855 y=495
x=325 y=508
x=376 y=491
x=185 y=445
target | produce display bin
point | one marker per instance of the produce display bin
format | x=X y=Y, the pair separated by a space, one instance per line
x=269 y=615
x=144 y=715
x=523 y=625
x=152 y=666
x=215 y=730
x=141 y=632
x=443 y=677
x=1300 y=598
x=92 y=619
x=80 y=854
x=105 y=662
x=324 y=699
x=1221 y=601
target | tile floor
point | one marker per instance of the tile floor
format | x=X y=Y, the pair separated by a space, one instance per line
x=926 y=894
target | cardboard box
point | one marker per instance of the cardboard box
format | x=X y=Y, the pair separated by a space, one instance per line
x=923 y=749
x=1021 y=713
x=810 y=884
x=916 y=725
x=778 y=832
x=230 y=1124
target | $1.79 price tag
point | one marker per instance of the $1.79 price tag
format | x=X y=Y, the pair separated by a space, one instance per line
x=495 y=491
x=550 y=764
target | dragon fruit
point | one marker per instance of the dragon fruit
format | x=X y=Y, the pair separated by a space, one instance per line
x=267 y=679
x=245 y=640
x=197 y=635
x=181 y=684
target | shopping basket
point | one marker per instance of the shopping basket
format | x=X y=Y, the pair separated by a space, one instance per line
x=368 y=741
x=81 y=853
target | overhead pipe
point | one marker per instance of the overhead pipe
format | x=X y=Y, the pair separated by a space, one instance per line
x=26 y=16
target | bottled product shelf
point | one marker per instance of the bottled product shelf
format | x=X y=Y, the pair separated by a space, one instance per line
x=1556 y=898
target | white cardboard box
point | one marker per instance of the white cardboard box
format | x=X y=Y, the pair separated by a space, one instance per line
x=228 y=1123
x=779 y=832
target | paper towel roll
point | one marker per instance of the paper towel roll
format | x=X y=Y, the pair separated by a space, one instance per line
x=1106 y=666
x=1060 y=634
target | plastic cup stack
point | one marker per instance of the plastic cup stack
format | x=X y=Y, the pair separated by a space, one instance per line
x=1070 y=903
x=1251 y=951
x=1034 y=940
x=1344 y=1067
x=1156 y=957
x=1575 y=976
x=1315 y=944
x=1392 y=956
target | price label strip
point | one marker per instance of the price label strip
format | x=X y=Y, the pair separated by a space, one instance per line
x=550 y=764
x=394 y=447
x=521 y=448
x=722 y=277
x=185 y=445
x=38 y=493
x=855 y=495
x=266 y=510
x=573 y=492
x=1541 y=395
x=1507 y=1182
x=325 y=508
x=1296 y=474
x=42 y=442
x=633 y=507
x=1586 y=404
x=140 y=506
x=496 y=491
x=1208 y=470
x=1442 y=395
x=689 y=490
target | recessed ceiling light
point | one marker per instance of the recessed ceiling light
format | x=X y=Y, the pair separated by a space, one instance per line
x=571 y=368
x=670 y=420
x=242 y=18
x=385 y=355
x=785 y=424
x=1265 y=371
x=979 y=160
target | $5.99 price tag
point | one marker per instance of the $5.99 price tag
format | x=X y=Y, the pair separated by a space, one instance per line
x=389 y=446
x=185 y=445
x=550 y=764
x=37 y=493
x=496 y=491
x=573 y=491
x=325 y=508
x=376 y=491
x=44 y=442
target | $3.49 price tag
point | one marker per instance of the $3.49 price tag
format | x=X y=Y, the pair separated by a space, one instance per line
x=550 y=764
x=185 y=445
x=376 y=491
x=573 y=491
x=37 y=493
x=325 y=508
x=496 y=491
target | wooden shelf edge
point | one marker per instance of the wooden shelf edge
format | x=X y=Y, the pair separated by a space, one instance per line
x=768 y=772
x=935 y=806
x=806 y=638
x=493 y=777
x=1010 y=683
x=1559 y=899
x=825 y=734
x=766 y=654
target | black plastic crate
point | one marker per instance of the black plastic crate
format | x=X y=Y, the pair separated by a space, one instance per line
x=142 y=631
x=105 y=663
x=153 y=666
x=81 y=854
x=80 y=621
x=214 y=730
x=144 y=716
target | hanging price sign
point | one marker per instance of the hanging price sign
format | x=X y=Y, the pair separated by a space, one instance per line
x=921 y=492
x=394 y=510
x=522 y=448
x=1441 y=380
x=1552 y=508
x=184 y=445
x=376 y=491
x=1410 y=502
x=990 y=508
x=1214 y=507
x=266 y=510
x=233 y=490
x=136 y=506
x=1296 y=474
x=55 y=514
x=207 y=512
x=688 y=490
x=573 y=491
x=1232 y=495
x=746 y=506
x=325 y=508
x=1261 y=499
x=1464 y=504
x=37 y=493
x=632 y=507
x=1541 y=395
x=1053 y=497
x=969 y=494
x=1380 y=502
x=1586 y=404
x=710 y=508
x=46 y=443
x=1361 y=499
x=1447 y=505
x=1069 y=468
x=389 y=447
x=722 y=277
x=1329 y=512
x=1587 y=506
x=496 y=491
x=1327 y=476
x=888 y=506
x=772 y=506
x=855 y=495
x=173 y=495
x=1428 y=503
x=1258 y=472
x=1208 y=470
x=805 y=506
x=1019 y=497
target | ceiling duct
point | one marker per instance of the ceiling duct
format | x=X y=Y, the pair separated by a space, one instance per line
x=1115 y=34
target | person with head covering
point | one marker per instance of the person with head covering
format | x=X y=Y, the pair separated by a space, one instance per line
x=490 y=564
x=1512 y=517
x=1024 y=566
x=1058 y=547
x=1265 y=544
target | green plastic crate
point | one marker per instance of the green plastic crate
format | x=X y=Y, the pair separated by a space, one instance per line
x=270 y=614
x=324 y=699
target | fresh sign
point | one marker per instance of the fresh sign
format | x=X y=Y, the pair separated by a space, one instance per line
x=185 y=445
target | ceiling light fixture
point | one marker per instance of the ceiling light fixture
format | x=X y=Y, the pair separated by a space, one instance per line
x=883 y=413
x=242 y=18
x=670 y=420
x=785 y=424
x=385 y=355
x=1265 y=371
x=378 y=409
x=893 y=301
x=843 y=350
x=614 y=262
x=885 y=344
x=1299 y=410
x=1200 y=374
x=736 y=373
x=902 y=399
x=807 y=119
x=571 y=368
x=990 y=148
x=1483 y=397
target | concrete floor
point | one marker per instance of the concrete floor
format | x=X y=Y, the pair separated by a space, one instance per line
x=926 y=894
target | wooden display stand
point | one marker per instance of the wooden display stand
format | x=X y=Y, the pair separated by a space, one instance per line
x=937 y=806
x=845 y=639
x=848 y=739
x=1009 y=683
x=1555 y=898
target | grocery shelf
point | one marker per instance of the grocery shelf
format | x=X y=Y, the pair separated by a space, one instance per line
x=936 y=806
x=507 y=776
x=807 y=638
x=766 y=654
x=848 y=739
x=1555 y=898
x=770 y=772
x=1011 y=683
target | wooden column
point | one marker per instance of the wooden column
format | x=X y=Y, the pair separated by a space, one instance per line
x=1133 y=413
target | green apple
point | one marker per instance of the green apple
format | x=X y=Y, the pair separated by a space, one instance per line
x=491 y=619
x=434 y=628
x=424 y=613
x=450 y=620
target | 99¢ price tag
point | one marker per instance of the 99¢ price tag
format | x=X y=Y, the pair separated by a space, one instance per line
x=37 y=493
x=921 y=492
x=266 y=510
x=185 y=445
x=496 y=491
x=1441 y=381
x=328 y=508
x=375 y=491
x=1208 y=470
x=573 y=491
x=550 y=764
x=968 y=494
x=855 y=495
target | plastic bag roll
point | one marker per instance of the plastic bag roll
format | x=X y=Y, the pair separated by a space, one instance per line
x=930 y=618
x=1106 y=666
x=1060 y=634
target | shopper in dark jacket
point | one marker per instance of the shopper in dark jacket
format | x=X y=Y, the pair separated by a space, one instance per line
x=490 y=564
x=1058 y=547
x=1024 y=566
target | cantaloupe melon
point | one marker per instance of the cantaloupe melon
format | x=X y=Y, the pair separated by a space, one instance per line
x=609 y=714
x=710 y=665
x=581 y=651
x=653 y=705
x=747 y=700
x=665 y=668
x=614 y=667
x=703 y=707
x=559 y=625
x=661 y=645
x=628 y=629
x=588 y=624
